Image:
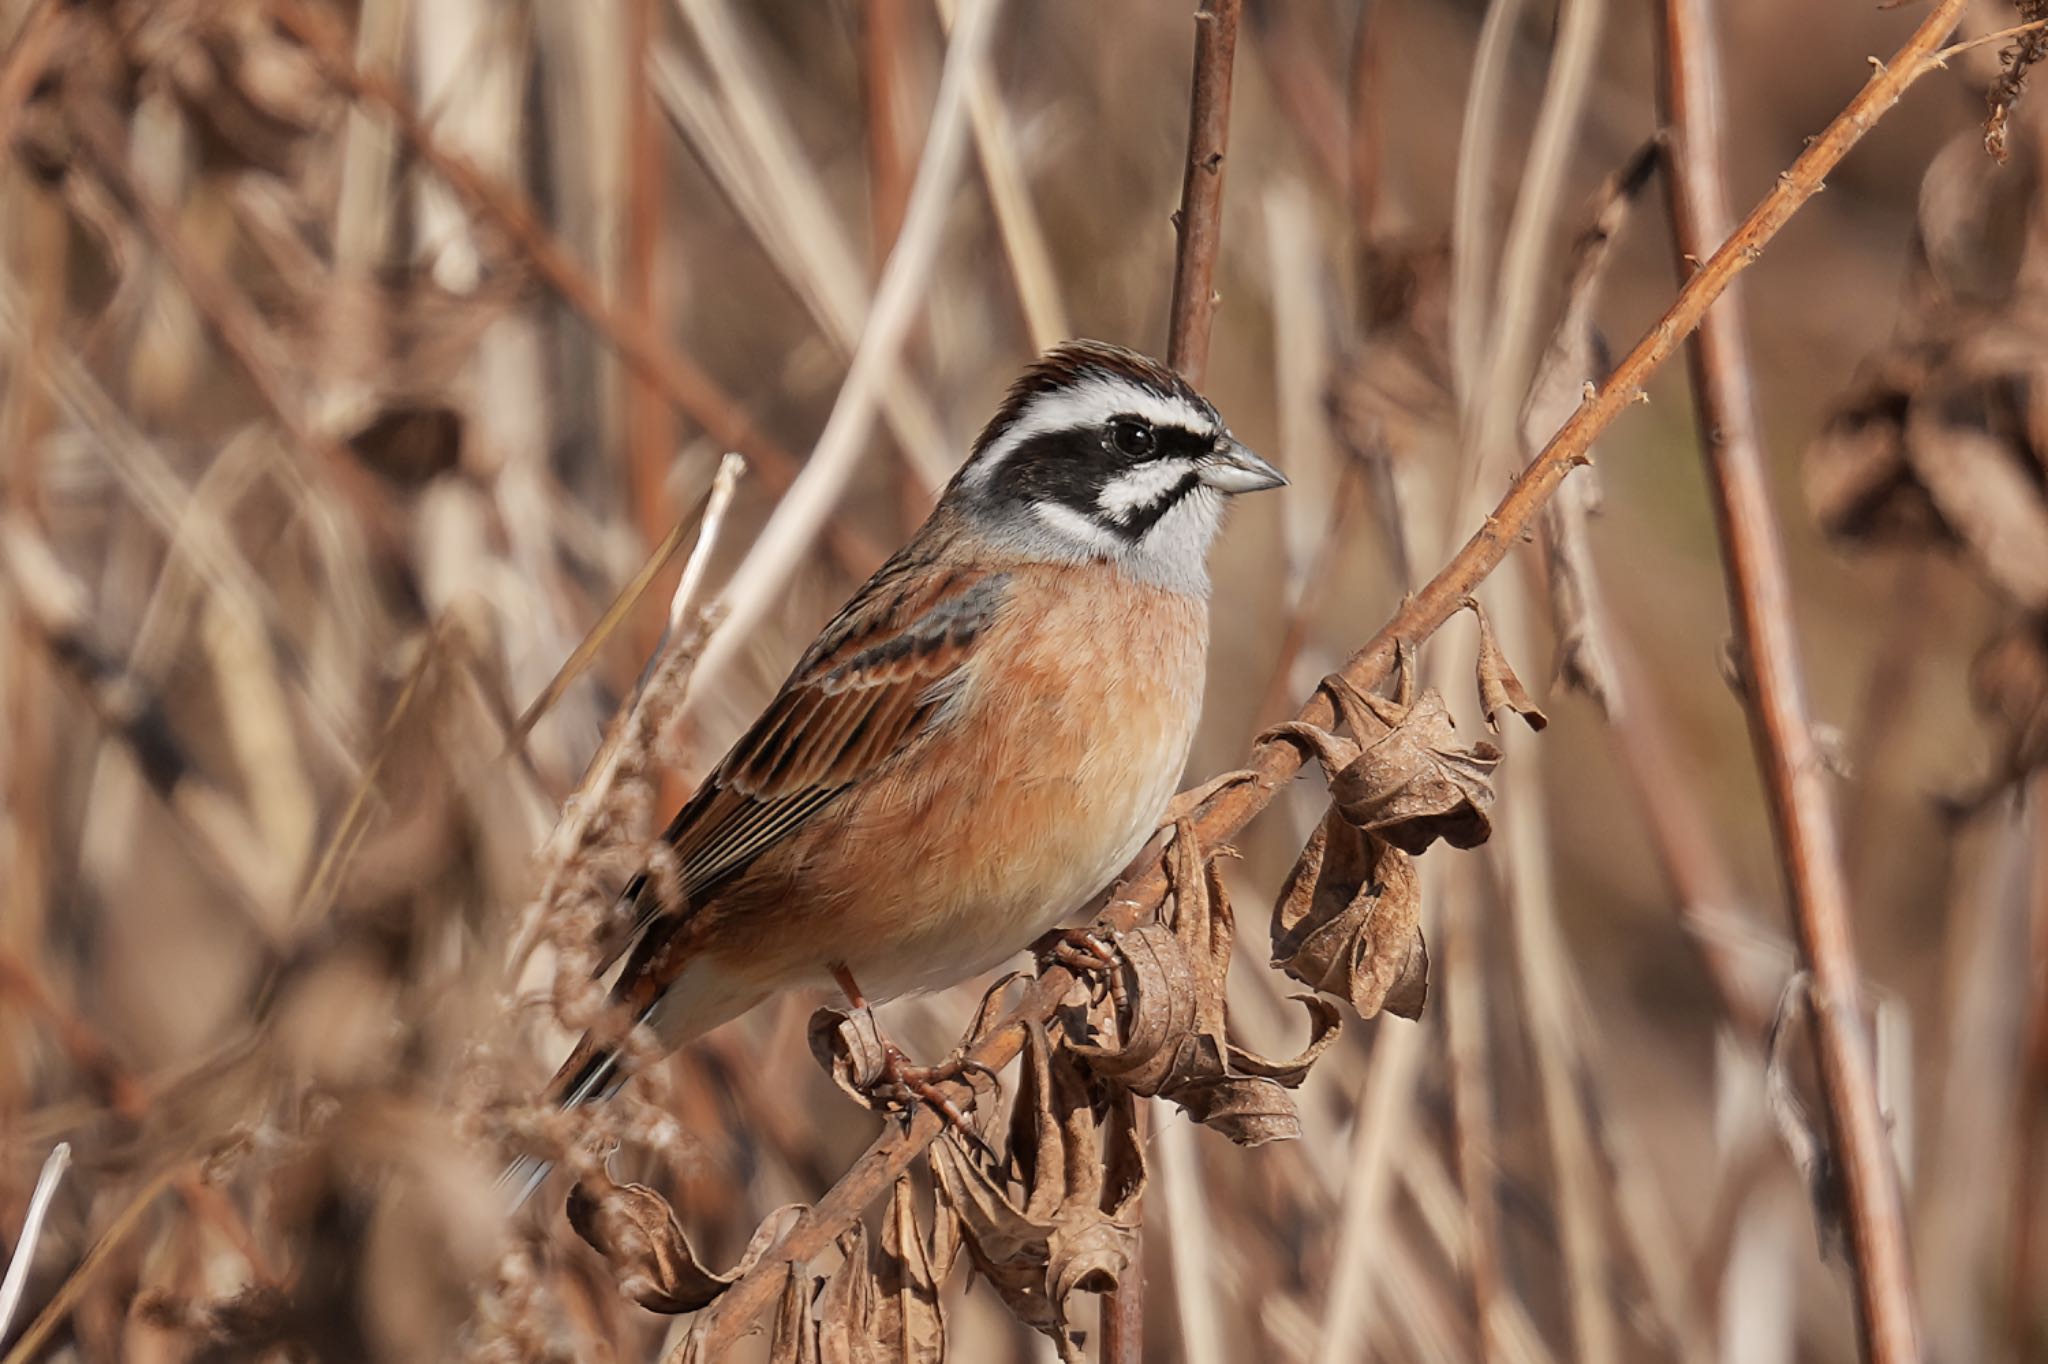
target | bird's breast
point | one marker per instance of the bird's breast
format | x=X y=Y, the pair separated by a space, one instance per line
x=1050 y=769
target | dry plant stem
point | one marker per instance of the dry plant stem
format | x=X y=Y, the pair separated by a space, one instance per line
x=1364 y=154
x=603 y=769
x=1472 y=1101
x=1191 y=317
x=760 y=582
x=650 y=435
x=1009 y=193
x=1682 y=835
x=1275 y=762
x=679 y=378
x=110 y=1240
x=1794 y=774
x=2023 y=1296
x=31 y=1230
x=1199 y=224
x=888 y=176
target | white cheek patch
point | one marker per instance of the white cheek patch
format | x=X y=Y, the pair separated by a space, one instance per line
x=1078 y=528
x=1143 y=486
x=1084 y=405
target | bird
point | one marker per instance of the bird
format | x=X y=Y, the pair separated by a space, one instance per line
x=983 y=736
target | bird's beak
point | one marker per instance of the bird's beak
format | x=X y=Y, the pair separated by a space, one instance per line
x=1232 y=468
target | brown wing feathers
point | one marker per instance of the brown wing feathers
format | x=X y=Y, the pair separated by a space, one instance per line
x=858 y=698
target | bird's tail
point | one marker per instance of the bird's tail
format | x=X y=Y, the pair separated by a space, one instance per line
x=591 y=1074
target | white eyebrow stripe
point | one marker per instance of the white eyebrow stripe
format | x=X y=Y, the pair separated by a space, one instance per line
x=1089 y=403
x=1143 y=486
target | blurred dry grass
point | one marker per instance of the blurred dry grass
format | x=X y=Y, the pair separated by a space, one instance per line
x=316 y=468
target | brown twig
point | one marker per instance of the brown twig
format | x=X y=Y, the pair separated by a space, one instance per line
x=1794 y=773
x=1191 y=314
x=678 y=377
x=1273 y=763
x=1198 y=226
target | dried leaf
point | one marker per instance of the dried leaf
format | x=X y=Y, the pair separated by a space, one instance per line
x=2014 y=62
x=636 y=1231
x=1989 y=494
x=882 y=1305
x=1404 y=777
x=1060 y=1217
x=851 y=1049
x=1348 y=921
x=1170 y=1020
x=1499 y=689
x=796 y=1332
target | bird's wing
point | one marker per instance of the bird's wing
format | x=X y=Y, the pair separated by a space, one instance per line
x=863 y=692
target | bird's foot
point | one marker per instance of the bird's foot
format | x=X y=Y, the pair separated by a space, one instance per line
x=903 y=1082
x=1083 y=951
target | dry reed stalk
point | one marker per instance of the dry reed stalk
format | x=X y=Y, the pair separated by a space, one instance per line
x=1795 y=773
x=24 y=1255
x=1274 y=762
x=1009 y=193
x=750 y=144
x=881 y=43
x=1472 y=1115
x=759 y=582
x=686 y=384
x=1472 y=256
x=2025 y=1321
x=1492 y=387
x=649 y=428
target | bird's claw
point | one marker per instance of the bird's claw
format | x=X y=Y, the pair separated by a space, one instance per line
x=1080 y=950
x=903 y=1082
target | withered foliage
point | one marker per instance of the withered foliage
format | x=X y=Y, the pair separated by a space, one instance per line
x=2019 y=58
x=1942 y=441
x=1170 y=1022
x=1349 y=918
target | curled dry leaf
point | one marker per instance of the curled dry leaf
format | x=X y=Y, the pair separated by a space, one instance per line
x=882 y=1305
x=1348 y=921
x=850 y=1048
x=636 y=1231
x=1500 y=691
x=1404 y=776
x=1169 y=1016
x=1060 y=1215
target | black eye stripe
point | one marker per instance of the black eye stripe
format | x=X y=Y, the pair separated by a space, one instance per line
x=1072 y=468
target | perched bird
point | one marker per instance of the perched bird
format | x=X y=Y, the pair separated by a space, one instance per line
x=982 y=737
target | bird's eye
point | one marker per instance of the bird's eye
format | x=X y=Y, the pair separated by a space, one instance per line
x=1131 y=437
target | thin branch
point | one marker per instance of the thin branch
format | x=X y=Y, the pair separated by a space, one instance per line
x=1794 y=773
x=1198 y=227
